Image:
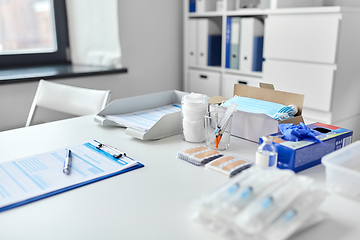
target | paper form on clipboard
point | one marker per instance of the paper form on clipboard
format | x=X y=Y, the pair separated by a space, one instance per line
x=39 y=176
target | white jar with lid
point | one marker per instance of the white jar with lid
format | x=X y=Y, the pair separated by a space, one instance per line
x=193 y=109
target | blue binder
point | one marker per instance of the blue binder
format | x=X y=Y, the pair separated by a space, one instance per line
x=56 y=190
x=228 y=39
x=214 y=50
x=258 y=54
x=192 y=5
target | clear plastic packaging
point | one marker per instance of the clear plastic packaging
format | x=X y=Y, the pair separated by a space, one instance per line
x=209 y=206
x=258 y=203
x=251 y=189
x=267 y=207
x=342 y=169
x=295 y=215
x=222 y=193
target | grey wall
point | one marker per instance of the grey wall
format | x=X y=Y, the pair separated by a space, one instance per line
x=152 y=46
x=344 y=3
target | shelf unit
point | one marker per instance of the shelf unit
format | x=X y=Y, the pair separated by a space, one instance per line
x=243 y=76
x=316 y=52
x=313 y=51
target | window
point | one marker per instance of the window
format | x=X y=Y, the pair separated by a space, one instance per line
x=33 y=32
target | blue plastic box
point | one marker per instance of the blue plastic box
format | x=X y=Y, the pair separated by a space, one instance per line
x=301 y=155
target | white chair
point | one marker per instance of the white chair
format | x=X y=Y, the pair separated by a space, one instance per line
x=68 y=99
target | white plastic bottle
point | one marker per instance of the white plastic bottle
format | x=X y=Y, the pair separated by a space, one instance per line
x=266 y=154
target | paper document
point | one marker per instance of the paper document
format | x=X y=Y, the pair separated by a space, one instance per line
x=144 y=120
x=42 y=174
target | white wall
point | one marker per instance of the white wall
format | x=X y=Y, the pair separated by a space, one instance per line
x=151 y=44
x=344 y=3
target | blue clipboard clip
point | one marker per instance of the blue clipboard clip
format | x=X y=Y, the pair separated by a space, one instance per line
x=116 y=153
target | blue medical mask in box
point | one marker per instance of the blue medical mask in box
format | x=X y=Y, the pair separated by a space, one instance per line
x=274 y=110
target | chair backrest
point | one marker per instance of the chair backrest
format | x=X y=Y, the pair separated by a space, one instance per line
x=68 y=99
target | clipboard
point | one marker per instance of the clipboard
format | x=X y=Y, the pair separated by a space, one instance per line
x=92 y=161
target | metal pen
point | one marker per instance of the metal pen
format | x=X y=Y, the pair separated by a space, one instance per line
x=67 y=162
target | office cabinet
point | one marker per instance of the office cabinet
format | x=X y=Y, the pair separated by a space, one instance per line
x=302 y=37
x=205 y=82
x=317 y=53
x=230 y=79
x=313 y=51
x=199 y=26
x=314 y=81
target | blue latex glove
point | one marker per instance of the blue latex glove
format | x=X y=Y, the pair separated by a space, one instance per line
x=297 y=133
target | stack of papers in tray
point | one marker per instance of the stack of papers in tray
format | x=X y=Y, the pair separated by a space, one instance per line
x=144 y=120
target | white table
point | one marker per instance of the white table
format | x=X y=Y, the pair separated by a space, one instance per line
x=154 y=202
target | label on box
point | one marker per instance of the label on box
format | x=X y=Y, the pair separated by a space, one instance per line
x=263 y=160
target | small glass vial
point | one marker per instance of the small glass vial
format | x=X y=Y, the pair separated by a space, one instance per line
x=266 y=154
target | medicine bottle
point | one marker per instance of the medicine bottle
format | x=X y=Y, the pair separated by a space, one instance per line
x=266 y=154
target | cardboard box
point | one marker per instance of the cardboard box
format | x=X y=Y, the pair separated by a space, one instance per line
x=252 y=126
x=298 y=156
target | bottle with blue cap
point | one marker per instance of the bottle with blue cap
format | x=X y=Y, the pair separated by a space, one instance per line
x=266 y=154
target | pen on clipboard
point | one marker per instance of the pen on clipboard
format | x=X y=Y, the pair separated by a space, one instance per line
x=67 y=162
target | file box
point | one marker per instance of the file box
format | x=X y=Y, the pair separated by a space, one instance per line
x=301 y=155
x=342 y=170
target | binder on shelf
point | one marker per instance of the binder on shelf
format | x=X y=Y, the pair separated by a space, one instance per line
x=202 y=41
x=200 y=6
x=214 y=50
x=167 y=125
x=237 y=4
x=228 y=39
x=250 y=27
x=192 y=5
x=40 y=176
x=233 y=5
x=192 y=40
x=205 y=5
x=247 y=3
x=206 y=27
x=235 y=42
x=258 y=54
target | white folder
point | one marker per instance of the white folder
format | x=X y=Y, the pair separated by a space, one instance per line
x=250 y=28
x=192 y=40
x=200 y=6
x=206 y=27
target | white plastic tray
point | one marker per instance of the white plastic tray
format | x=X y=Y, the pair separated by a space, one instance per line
x=168 y=125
